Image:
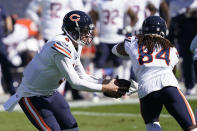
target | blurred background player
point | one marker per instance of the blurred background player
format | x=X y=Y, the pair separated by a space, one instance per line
x=110 y=15
x=183 y=29
x=193 y=49
x=139 y=7
x=158 y=8
x=5 y=28
x=48 y=15
x=22 y=44
x=154 y=58
x=23 y=41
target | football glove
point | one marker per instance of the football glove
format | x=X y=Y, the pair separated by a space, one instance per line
x=123 y=85
x=133 y=88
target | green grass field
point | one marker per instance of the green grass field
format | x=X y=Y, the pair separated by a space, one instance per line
x=124 y=117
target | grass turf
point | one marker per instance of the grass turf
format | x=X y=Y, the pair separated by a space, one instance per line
x=17 y=121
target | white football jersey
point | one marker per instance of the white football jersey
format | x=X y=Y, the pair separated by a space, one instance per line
x=111 y=18
x=156 y=3
x=52 y=15
x=153 y=71
x=139 y=7
x=57 y=59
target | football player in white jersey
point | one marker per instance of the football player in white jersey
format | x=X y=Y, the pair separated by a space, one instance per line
x=154 y=58
x=48 y=14
x=59 y=57
x=110 y=14
x=159 y=8
x=139 y=7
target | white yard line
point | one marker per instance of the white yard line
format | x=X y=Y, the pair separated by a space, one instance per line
x=101 y=102
x=112 y=114
x=88 y=103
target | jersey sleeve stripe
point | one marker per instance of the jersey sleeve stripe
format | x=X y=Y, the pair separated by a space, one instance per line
x=58 y=43
x=62 y=50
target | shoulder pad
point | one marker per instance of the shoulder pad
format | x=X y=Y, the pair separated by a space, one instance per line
x=62 y=48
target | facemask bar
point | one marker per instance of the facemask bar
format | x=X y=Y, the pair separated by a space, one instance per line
x=78 y=40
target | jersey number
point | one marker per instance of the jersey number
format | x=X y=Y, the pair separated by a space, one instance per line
x=110 y=16
x=137 y=9
x=163 y=54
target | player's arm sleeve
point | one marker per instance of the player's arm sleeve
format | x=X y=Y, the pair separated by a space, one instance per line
x=32 y=9
x=66 y=68
x=193 y=45
x=120 y=51
x=174 y=57
x=133 y=16
x=20 y=33
x=83 y=75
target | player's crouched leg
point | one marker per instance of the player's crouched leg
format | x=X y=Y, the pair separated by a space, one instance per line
x=153 y=126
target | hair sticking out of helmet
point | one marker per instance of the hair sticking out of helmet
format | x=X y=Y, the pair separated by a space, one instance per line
x=78 y=26
x=153 y=34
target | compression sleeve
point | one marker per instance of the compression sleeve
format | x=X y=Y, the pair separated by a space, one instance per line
x=115 y=52
x=65 y=66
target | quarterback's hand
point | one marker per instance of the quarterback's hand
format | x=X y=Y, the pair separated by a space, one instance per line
x=133 y=88
x=109 y=88
x=116 y=87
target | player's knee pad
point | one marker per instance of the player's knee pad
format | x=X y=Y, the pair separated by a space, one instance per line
x=153 y=126
x=73 y=129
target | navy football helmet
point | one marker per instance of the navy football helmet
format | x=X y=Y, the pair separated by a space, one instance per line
x=154 y=25
x=79 y=27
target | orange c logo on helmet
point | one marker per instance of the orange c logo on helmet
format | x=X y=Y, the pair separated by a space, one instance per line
x=74 y=17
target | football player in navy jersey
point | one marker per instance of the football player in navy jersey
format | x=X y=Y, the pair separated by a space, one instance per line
x=59 y=58
x=154 y=58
